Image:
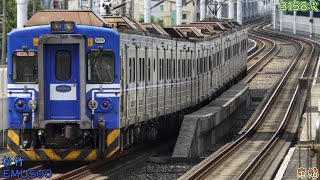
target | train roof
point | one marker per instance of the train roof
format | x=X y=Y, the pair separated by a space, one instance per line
x=82 y=17
x=196 y=31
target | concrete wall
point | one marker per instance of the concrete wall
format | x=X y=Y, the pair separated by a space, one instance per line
x=202 y=129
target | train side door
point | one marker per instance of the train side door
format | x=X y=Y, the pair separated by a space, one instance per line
x=61 y=82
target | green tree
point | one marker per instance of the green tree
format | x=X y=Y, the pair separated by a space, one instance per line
x=11 y=15
x=153 y=21
x=30 y=7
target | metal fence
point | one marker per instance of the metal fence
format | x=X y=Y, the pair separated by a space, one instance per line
x=302 y=25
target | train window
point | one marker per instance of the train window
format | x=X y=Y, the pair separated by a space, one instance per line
x=174 y=69
x=246 y=43
x=198 y=66
x=63 y=65
x=170 y=68
x=241 y=46
x=226 y=54
x=179 y=69
x=189 y=68
x=143 y=69
x=149 y=69
x=214 y=60
x=163 y=69
x=130 y=70
x=101 y=66
x=25 y=68
x=188 y=75
x=160 y=70
x=167 y=68
x=185 y=67
x=210 y=64
x=205 y=64
x=182 y=68
x=133 y=69
x=140 y=65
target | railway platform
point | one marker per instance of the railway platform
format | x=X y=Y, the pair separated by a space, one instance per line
x=300 y=158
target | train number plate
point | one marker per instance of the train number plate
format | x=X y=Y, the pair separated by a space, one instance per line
x=23 y=53
x=99 y=40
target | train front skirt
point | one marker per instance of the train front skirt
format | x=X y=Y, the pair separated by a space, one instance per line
x=14 y=145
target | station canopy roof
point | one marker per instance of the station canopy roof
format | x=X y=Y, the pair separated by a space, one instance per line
x=82 y=17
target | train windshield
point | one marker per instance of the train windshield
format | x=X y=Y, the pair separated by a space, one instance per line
x=100 y=67
x=25 y=67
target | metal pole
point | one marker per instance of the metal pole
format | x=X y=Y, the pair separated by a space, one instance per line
x=4 y=34
x=123 y=9
x=294 y=21
x=239 y=11
x=202 y=10
x=22 y=13
x=147 y=5
x=179 y=12
x=132 y=10
x=274 y=14
x=231 y=9
x=102 y=8
x=311 y=22
x=90 y=4
x=281 y=20
x=219 y=13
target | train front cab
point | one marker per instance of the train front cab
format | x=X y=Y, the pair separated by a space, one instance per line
x=70 y=110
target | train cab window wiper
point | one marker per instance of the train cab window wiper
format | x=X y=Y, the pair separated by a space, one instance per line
x=101 y=66
x=25 y=67
x=95 y=65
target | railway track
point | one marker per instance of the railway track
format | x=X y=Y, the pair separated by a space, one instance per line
x=261 y=57
x=241 y=159
x=266 y=46
x=116 y=165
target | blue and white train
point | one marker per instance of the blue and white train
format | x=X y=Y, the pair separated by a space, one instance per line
x=79 y=90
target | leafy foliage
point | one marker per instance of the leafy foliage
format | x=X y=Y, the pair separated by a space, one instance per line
x=153 y=21
x=11 y=15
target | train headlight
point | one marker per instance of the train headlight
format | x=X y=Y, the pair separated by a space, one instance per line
x=56 y=26
x=68 y=27
x=93 y=104
x=33 y=104
x=20 y=104
x=106 y=104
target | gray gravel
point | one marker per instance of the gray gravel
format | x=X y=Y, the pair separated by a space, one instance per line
x=159 y=171
x=277 y=65
x=264 y=81
x=287 y=51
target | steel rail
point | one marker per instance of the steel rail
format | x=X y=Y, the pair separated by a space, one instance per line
x=264 y=56
x=201 y=172
x=250 y=169
x=249 y=58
